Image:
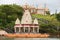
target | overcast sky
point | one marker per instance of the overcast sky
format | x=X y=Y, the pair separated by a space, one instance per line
x=51 y=4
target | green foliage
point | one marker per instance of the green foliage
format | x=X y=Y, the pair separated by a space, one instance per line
x=48 y=23
x=8 y=15
x=58 y=16
x=48 y=12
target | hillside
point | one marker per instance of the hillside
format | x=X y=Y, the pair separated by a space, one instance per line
x=48 y=23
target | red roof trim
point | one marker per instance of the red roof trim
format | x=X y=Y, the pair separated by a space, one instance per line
x=26 y=24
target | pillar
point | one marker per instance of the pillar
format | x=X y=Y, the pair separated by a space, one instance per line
x=38 y=30
x=29 y=29
x=33 y=29
x=15 y=29
x=24 y=29
x=19 y=29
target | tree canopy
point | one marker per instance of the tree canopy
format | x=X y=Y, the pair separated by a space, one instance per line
x=58 y=16
x=8 y=15
x=48 y=23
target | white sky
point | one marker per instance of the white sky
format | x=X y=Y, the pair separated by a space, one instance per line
x=51 y=4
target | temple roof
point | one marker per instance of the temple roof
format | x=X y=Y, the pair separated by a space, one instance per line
x=26 y=21
x=35 y=21
x=17 y=21
x=26 y=18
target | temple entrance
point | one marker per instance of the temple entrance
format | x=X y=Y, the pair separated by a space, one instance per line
x=26 y=29
x=35 y=29
x=17 y=29
x=22 y=29
x=31 y=29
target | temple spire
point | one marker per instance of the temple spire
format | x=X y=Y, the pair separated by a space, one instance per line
x=26 y=18
x=17 y=21
x=35 y=21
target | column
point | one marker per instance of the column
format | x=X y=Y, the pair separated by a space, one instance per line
x=37 y=29
x=15 y=29
x=29 y=29
x=19 y=29
x=24 y=29
x=33 y=29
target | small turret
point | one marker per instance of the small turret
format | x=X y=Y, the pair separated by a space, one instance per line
x=17 y=23
x=35 y=21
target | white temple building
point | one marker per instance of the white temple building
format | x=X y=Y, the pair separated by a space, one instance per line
x=36 y=10
x=26 y=25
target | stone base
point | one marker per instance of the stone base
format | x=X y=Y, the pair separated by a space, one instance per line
x=27 y=35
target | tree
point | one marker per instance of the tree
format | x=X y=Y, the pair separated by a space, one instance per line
x=8 y=15
x=58 y=16
x=48 y=12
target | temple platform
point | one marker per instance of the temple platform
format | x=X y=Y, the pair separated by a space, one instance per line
x=27 y=35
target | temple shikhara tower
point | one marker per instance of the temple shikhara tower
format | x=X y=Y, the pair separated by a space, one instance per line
x=26 y=25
